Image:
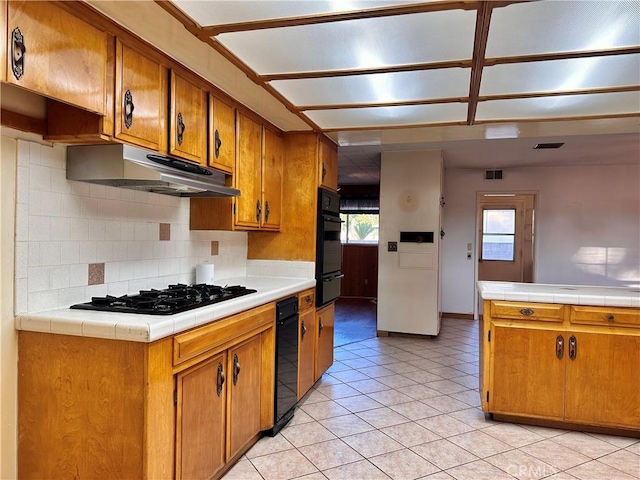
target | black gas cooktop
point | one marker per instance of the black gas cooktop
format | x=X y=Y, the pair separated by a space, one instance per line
x=174 y=299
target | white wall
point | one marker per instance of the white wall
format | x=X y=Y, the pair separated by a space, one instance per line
x=587 y=226
x=62 y=226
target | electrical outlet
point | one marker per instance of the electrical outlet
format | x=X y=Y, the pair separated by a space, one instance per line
x=392 y=246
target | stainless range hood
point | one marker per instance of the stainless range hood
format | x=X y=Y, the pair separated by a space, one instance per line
x=138 y=169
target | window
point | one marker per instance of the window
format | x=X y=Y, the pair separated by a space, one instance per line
x=498 y=234
x=360 y=228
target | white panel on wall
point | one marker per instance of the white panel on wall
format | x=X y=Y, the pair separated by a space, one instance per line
x=63 y=225
x=408 y=282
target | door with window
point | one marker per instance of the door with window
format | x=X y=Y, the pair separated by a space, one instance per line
x=505 y=237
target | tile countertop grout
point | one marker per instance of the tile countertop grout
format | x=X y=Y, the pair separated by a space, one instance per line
x=149 y=328
x=590 y=295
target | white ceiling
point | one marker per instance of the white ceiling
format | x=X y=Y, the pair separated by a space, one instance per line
x=479 y=80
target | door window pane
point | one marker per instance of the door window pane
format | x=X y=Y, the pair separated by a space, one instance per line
x=359 y=228
x=498 y=234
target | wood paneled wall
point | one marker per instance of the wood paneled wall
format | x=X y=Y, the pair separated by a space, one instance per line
x=360 y=268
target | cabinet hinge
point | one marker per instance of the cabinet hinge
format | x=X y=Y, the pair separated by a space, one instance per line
x=489 y=336
x=487 y=395
x=175 y=397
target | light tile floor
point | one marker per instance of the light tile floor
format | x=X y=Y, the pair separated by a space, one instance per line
x=408 y=408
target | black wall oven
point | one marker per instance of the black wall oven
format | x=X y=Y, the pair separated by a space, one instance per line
x=328 y=248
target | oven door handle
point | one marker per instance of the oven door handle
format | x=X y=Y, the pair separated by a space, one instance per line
x=335 y=277
x=331 y=218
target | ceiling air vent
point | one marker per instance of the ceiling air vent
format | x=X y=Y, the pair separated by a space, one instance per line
x=493 y=174
x=540 y=146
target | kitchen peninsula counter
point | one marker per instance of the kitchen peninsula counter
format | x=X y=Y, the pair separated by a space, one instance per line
x=563 y=294
x=561 y=355
x=149 y=328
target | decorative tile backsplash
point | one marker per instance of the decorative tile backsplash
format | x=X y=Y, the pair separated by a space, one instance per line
x=143 y=239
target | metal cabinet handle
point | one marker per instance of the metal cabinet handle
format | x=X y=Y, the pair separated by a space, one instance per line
x=559 y=347
x=217 y=144
x=303 y=330
x=220 y=380
x=527 y=312
x=17 y=53
x=129 y=107
x=573 y=347
x=309 y=299
x=321 y=326
x=267 y=210
x=610 y=317
x=236 y=369
x=181 y=128
x=324 y=171
x=258 y=211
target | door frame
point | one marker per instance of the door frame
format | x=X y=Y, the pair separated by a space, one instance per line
x=530 y=201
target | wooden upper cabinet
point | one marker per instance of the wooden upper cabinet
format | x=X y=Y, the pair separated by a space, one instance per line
x=272 y=180
x=248 y=173
x=188 y=120
x=222 y=135
x=53 y=53
x=328 y=165
x=141 y=98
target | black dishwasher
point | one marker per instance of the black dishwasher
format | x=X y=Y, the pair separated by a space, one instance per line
x=286 y=362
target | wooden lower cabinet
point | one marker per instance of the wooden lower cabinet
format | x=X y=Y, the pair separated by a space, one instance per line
x=243 y=389
x=528 y=376
x=603 y=380
x=565 y=364
x=201 y=419
x=306 y=345
x=324 y=343
x=182 y=407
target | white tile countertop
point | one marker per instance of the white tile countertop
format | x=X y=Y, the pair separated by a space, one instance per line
x=148 y=328
x=566 y=294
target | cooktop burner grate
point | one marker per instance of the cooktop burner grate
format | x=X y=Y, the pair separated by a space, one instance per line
x=174 y=299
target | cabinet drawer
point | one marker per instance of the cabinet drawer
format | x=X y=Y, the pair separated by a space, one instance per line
x=306 y=299
x=609 y=316
x=214 y=336
x=546 y=312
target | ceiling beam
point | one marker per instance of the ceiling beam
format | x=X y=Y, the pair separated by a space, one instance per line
x=560 y=93
x=339 y=106
x=561 y=56
x=479 y=47
x=331 y=17
x=412 y=67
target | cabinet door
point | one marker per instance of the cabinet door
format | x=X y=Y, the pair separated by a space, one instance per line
x=141 y=99
x=527 y=377
x=248 y=173
x=272 y=180
x=200 y=419
x=54 y=53
x=328 y=165
x=603 y=379
x=188 y=120
x=245 y=366
x=222 y=135
x=324 y=344
x=306 y=356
